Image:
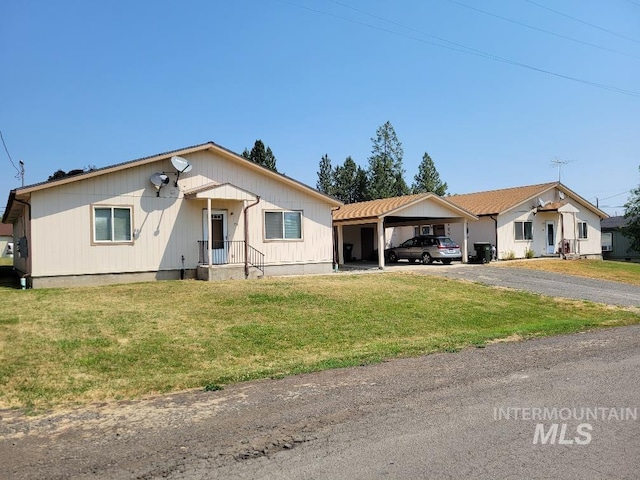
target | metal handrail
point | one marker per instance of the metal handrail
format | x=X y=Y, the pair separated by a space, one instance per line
x=229 y=252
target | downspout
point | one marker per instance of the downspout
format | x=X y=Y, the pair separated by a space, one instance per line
x=334 y=241
x=27 y=235
x=495 y=221
x=246 y=236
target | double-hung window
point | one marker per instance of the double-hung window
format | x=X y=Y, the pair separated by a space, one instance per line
x=283 y=225
x=582 y=230
x=112 y=224
x=524 y=230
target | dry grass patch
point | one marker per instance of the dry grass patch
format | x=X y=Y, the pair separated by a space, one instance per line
x=77 y=345
x=599 y=269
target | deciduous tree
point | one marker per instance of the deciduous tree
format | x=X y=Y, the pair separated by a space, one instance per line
x=632 y=213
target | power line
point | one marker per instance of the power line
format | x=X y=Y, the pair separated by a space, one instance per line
x=532 y=27
x=626 y=192
x=583 y=22
x=20 y=174
x=8 y=154
x=461 y=48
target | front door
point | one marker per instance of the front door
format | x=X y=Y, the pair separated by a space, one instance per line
x=219 y=245
x=551 y=238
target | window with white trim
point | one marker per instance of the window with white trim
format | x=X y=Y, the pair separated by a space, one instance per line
x=582 y=230
x=524 y=230
x=112 y=224
x=283 y=225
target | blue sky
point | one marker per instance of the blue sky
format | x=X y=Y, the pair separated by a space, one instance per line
x=97 y=83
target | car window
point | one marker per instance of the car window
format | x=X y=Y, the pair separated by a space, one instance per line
x=447 y=242
x=409 y=243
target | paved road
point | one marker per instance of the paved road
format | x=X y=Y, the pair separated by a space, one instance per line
x=545 y=283
x=427 y=417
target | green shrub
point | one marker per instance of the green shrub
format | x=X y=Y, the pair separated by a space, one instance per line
x=529 y=253
x=510 y=255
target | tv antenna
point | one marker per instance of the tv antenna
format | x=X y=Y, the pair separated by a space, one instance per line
x=558 y=162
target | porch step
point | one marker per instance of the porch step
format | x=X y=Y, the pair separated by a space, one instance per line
x=571 y=256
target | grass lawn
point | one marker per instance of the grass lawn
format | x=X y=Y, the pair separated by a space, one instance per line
x=77 y=345
x=605 y=270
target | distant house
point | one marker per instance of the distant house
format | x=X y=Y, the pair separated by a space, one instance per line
x=546 y=219
x=6 y=240
x=615 y=246
x=201 y=211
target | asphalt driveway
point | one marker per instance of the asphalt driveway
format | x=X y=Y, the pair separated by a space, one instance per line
x=545 y=283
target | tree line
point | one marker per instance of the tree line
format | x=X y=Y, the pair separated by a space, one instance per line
x=384 y=176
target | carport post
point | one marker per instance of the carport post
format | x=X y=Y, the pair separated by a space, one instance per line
x=465 y=241
x=381 y=243
x=340 y=245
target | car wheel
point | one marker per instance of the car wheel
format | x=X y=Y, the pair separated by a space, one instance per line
x=393 y=258
x=426 y=258
x=447 y=261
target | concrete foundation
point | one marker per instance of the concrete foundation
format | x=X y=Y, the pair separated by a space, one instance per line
x=215 y=273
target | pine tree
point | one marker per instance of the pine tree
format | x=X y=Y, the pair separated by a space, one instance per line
x=428 y=179
x=261 y=156
x=385 y=174
x=325 y=182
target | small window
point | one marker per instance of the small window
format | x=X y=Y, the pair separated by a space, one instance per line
x=112 y=224
x=582 y=230
x=524 y=230
x=283 y=225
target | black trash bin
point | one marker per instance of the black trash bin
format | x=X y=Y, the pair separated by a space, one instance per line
x=348 y=252
x=483 y=252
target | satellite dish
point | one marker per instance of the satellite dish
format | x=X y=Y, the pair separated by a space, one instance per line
x=541 y=202
x=561 y=195
x=181 y=165
x=159 y=180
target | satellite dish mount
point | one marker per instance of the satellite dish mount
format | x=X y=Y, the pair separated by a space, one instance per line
x=181 y=165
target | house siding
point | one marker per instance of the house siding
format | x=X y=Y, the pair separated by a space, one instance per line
x=169 y=226
x=525 y=213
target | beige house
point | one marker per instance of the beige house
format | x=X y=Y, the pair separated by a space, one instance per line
x=209 y=213
x=547 y=219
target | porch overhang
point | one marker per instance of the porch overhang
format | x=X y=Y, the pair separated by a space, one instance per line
x=219 y=191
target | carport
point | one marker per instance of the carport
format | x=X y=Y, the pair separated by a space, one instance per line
x=374 y=216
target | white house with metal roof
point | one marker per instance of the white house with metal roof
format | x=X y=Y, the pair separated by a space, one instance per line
x=223 y=217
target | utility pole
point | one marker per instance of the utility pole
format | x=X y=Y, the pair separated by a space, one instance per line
x=21 y=172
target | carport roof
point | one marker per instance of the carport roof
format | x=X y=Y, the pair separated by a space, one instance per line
x=393 y=206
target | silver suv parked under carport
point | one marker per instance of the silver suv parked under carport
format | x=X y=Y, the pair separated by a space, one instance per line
x=425 y=248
